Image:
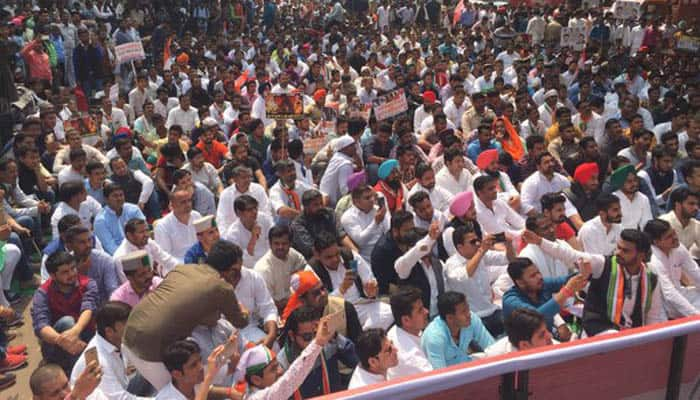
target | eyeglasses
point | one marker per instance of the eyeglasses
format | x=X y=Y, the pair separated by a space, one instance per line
x=475 y=242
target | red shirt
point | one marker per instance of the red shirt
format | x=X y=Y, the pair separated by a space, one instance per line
x=564 y=231
x=218 y=151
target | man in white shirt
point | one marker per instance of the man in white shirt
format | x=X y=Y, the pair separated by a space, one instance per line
x=535 y=28
x=75 y=141
x=250 y=230
x=377 y=355
x=456 y=105
x=175 y=232
x=110 y=318
x=589 y=122
x=600 y=234
x=473 y=269
x=439 y=197
x=164 y=104
x=252 y=293
x=493 y=214
x=545 y=180
x=454 y=177
x=635 y=206
x=671 y=261
x=74 y=200
x=340 y=166
x=76 y=171
x=526 y=329
x=183 y=361
x=548 y=109
x=184 y=115
x=366 y=220
x=345 y=274
x=243 y=184
x=136 y=238
x=411 y=318
x=278 y=264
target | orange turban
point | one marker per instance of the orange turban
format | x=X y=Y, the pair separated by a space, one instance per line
x=183 y=59
x=585 y=172
x=301 y=282
x=320 y=94
x=486 y=158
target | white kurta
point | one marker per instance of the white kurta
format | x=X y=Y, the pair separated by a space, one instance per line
x=87 y=212
x=361 y=378
x=537 y=185
x=412 y=358
x=679 y=301
x=156 y=254
x=477 y=287
x=445 y=180
x=635 y=213
x=225 y=213
x=277 y=272
x=335 y=179
x=363 y=229
x=252 y=293
x=596 y=239
x=238 y=234
x=439 y=197
x=174 y=237
x=499 y=218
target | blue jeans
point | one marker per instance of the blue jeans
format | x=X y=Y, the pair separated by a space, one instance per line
x=152 y=207
x=55 y=354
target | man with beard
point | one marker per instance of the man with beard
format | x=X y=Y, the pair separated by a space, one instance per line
x=308 y=290
x=661 y=177
x=548 y=266
x=279 y=263
x=600 y=234
x=439 y=197
x=463 y=212
x=285 y=194
x=95 y=264
x=635 y=300
x=140 y=280
x=682 y=218
x=137 y=238
x=488 y=164
x=671 y=261
x=387 y=251
x=635 y=206
x=553 y=207
x=545 y=295
x=390 y=185
x=315 y=220
x=584 y=191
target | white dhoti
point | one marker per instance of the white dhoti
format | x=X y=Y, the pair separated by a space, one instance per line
x=374 y=314
x=154 y=371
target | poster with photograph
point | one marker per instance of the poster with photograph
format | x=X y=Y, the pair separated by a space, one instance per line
x=284 y=106
x=574 y=38
x=626 y=9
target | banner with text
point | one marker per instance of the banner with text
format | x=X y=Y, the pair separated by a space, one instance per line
x=129 y=52
x=390 y=104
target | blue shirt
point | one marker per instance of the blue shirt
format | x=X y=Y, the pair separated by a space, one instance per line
x=103 y=270
x=474 y=149
x=109 y=227
x=195 y=254
x=514 y=298
x=440 y=347
x=96 y=194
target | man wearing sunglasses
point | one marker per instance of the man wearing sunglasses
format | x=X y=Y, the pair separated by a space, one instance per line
x=377 y=354
x=473 y=269
x=325 y=378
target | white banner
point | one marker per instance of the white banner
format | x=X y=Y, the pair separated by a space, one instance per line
x=129 y=52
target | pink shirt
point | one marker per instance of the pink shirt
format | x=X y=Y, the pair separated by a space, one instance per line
x=39 y=67
x=126 y=294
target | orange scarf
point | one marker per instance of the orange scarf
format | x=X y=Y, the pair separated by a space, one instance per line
x=513 y=145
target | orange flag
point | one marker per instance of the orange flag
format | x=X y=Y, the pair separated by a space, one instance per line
x=458 y=12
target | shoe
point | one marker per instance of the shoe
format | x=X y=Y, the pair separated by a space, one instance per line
x=7 y=380
x=19 y=349
x=13 y=298
x=13 y=362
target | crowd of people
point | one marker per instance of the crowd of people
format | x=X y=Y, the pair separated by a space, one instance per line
x=182 y=241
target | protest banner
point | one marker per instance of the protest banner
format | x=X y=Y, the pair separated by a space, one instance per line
x=574 y=38
x=284 y=106
x=129 y=52
x=359 y=111
x=688 y=43
x=626 y=9
x=390 y=104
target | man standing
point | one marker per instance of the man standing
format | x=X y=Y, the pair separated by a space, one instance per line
x=188 y=297
x=87 y=60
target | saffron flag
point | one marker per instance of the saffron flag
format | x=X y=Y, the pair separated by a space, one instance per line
x=458 y=12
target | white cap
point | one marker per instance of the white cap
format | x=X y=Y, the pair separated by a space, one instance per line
x=204 y=223
x=551 y=93
x=343 y=142
x=209 y=122
x=135 y=260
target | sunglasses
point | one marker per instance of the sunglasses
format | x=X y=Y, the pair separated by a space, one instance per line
x=475 y=242
x=307 y=337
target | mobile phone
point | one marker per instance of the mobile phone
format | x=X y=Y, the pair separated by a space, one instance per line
x=353 y=266
x=90 y=355
x=335 y=322
x=229 y=349
x=500 y=237
x=381 y=202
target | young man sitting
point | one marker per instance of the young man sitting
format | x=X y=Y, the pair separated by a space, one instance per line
x=377 y=354
x=526 y=329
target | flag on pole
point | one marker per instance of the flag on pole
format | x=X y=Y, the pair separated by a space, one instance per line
x=458 y=12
